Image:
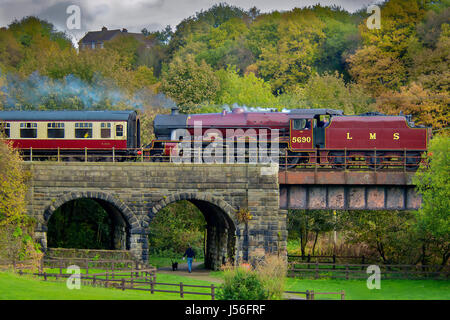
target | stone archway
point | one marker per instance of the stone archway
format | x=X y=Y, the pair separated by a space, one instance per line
x=221 y=226
x=126 y=234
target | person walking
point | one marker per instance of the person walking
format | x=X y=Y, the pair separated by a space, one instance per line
x=190 y=254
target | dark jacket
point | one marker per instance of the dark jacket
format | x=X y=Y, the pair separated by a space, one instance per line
x=189 y=253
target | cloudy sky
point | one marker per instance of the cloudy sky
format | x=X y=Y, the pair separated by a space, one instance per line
x=137 y=14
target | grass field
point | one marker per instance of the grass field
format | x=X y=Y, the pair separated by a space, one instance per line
x=13 y=286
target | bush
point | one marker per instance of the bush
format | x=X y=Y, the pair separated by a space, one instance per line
x=263 y=282
x=272 y=271
x=242 y=284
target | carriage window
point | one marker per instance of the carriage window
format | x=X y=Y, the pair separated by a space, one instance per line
x=83 y=130
x=301 y=124
x=105 y=130
x=5 y=128
x=119 y=130
x=28 y=130
x=55 y=130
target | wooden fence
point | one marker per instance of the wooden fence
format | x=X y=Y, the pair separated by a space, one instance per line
x=142 y=279
x=329 y=259
x=359 y=271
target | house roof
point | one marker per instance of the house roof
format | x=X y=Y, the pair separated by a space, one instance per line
x=95 y=36
x=105 y=35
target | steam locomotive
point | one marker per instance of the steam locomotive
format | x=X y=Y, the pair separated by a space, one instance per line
x=309 y=136
x=305 y=136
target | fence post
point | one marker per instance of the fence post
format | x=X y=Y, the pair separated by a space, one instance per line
x=213 y=296
x=85 y=155
x=181 y=290
x=45 y=276
x=363 y=262
x=93 y=280
x=152 y=285
x=312 y=294
x=307 y=295
x=342 y=295
x=346 y=272
x=87 y=266
x=334 y=261
x=123 y=284
x=113 y=155
x=31 y=154
x=59 y=155
x=317 y=270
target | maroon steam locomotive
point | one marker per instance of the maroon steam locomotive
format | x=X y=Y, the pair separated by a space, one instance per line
x=310 y=136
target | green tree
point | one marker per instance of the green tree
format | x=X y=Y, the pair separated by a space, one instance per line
x=246 y=90
x=331 y=91
x=433 y=183
x=176 y=225
x=391 y=234
x=16 y=227
x=189 y=83
x=303 y=223
x=291 y=61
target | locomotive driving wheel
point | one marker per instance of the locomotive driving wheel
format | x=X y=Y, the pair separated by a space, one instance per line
x=375 y=162
x=288 y=162
x=337 y=160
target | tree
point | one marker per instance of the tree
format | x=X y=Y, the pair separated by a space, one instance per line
x=291 y=60
x=376 y=71
x=331 y=91
x=426 y=107
x=16 y=227
x=391 y=234
x=176 y=225
x=189 y=83
x=431 y=66
x=303 y=223
x=433 y=183
x=247 y=90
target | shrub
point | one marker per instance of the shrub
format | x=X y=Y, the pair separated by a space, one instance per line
x=272 y=271
x=242 y=284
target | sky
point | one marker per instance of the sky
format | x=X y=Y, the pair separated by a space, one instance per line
x=134 y=15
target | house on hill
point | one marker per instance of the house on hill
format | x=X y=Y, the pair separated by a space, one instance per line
x=96 y=39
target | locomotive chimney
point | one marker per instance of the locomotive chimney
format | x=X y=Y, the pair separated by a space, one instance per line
x=174 y=111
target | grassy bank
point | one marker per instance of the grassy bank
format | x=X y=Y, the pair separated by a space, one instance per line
x=15 y=287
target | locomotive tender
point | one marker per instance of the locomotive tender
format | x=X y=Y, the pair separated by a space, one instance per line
x=306 y=136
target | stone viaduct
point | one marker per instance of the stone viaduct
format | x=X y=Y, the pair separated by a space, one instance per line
x=133 y=193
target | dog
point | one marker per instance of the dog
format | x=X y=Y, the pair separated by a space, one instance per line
x=174 y=266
